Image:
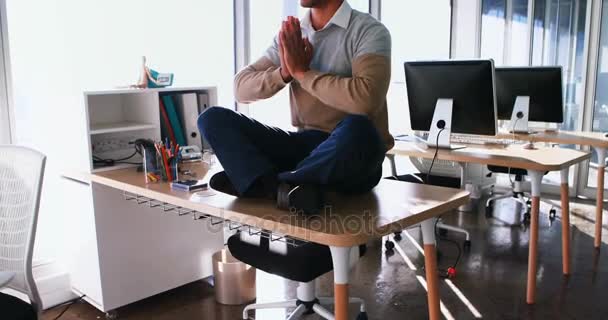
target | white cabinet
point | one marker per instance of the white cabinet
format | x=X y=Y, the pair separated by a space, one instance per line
x=123 y=252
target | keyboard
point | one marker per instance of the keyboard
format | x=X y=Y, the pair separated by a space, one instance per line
x=474 y=139
x=480 y=140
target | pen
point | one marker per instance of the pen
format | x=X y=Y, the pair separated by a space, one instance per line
x=165 y=161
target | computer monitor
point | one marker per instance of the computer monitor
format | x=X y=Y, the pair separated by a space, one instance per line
x=467 y=84
x=539 y=89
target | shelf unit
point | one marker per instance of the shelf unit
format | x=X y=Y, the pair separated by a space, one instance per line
x=117 y=117
x=123 y=250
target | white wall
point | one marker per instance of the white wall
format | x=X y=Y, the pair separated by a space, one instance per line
x=60 y=48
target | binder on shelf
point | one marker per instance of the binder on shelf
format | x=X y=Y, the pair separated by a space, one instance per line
x=165 y=124
x=174 y=120
x=188 y=110
x=203 y=103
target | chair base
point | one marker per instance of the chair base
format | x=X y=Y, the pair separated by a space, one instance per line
x=524 y=199
x=306 y=304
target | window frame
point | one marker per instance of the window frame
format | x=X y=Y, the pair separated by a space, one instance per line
x=7 y=130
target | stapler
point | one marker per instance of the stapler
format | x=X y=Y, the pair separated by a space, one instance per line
x=191 y=153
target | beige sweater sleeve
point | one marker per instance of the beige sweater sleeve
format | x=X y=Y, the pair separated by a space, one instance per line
x=364 y=93
x=257 y=81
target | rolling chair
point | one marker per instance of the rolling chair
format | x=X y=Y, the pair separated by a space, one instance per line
x=21 y=175
x=304 y=263
x=517 y=193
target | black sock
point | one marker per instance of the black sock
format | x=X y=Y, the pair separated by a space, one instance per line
x=264 y=187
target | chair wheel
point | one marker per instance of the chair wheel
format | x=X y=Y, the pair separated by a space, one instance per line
x=552 y=214
x=397 y=237
x=529 y=203
x=389 y=245
x=467 y=245
x=362 y=316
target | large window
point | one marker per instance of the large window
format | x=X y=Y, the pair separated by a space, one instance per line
x=493 y=30
x=420 y=30
x=560 y=25
x=600 y=103
x=558 y=35
x=504 y=32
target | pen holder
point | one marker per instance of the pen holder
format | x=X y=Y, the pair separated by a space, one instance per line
x=169 y=171
x=166 y=158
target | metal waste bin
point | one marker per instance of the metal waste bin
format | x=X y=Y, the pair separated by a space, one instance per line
x=234 y=280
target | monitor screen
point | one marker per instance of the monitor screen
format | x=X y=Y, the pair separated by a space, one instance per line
x=470 y=84
x=542 y=84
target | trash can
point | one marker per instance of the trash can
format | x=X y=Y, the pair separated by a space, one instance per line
x=234 y=280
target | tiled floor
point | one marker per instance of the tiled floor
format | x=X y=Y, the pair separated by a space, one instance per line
x=490 y=283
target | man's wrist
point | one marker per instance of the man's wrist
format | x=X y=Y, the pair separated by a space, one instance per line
x=285 y=75
x=298 y=75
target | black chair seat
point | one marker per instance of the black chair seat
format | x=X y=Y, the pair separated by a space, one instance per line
x=440 y=181
x=303 y=263
x=12 y=308
x=515 y=171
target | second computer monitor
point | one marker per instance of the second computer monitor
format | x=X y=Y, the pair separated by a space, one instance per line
x=470 y=86
x=543 y=85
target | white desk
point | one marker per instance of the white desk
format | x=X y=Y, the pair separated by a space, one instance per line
x=389 y=207
x=598 y=141
x=537 y=162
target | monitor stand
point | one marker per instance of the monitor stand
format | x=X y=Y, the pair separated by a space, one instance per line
x=520 y=119
x=441 y=127
x=520 y=116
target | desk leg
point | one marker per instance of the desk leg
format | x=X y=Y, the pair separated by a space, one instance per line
x=341 y=261
x=430 y=264
x=565 y=222
x=599 y=204
x=536 y=177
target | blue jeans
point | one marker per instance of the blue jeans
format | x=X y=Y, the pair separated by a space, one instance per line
x=347 y=160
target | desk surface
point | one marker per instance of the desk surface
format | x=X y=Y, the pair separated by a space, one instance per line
x=594 y=139
x=348 y=221
x=541 y=159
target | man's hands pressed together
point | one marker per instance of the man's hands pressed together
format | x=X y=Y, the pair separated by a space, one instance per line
x=295 y=52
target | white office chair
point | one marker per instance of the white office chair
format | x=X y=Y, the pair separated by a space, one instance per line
x=517 y=194
x=21 y=175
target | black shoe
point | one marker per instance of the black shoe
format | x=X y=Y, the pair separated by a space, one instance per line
x=220 y=182
x=305 y=198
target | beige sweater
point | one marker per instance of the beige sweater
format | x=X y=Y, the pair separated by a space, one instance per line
x=320 y=100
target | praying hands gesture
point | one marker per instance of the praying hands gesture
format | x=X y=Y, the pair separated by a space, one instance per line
x=295 y=52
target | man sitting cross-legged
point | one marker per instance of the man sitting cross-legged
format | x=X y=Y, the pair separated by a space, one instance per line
x=336 y=62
